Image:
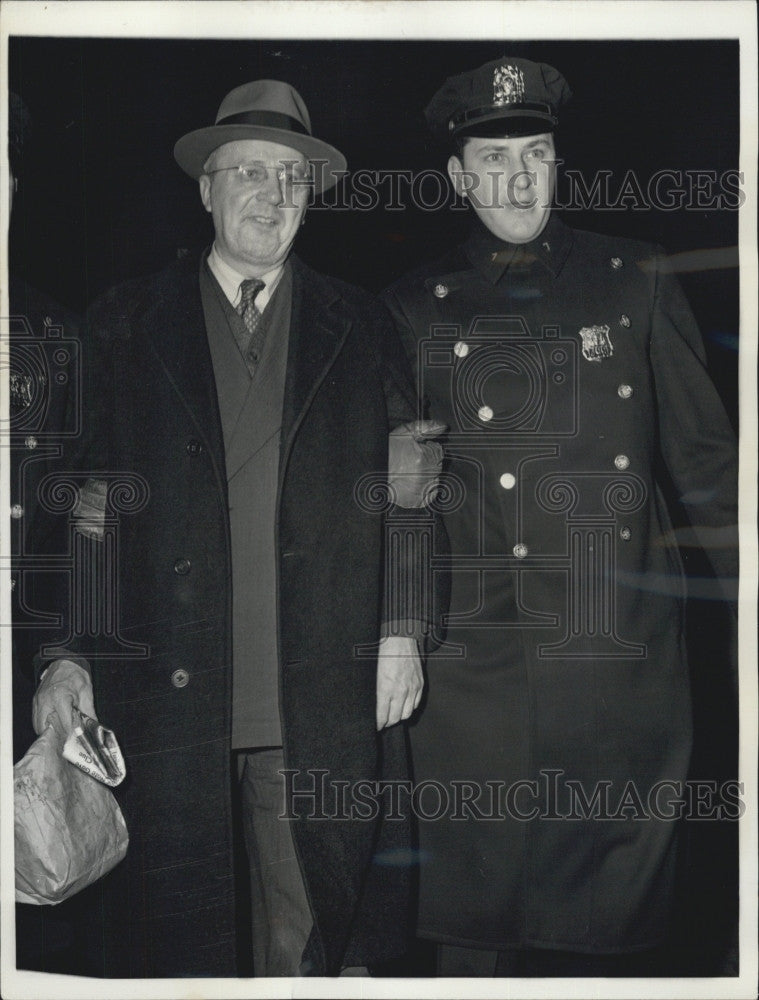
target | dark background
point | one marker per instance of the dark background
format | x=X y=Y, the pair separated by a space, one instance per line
x=101 y=200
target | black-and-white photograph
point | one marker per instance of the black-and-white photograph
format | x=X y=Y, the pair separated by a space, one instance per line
x=378 y=595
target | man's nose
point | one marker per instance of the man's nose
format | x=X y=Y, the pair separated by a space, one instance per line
x=524 y=178
x=272 y=189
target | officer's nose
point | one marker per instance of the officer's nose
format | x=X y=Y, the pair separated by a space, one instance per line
x=523 y=179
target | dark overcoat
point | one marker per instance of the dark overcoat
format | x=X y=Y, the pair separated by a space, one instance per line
x=162 y=674
x=572 y=377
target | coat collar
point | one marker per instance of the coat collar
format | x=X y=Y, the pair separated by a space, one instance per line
x=492 y=257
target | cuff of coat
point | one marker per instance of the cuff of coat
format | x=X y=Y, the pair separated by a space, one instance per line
x=41 y=663
x=411 y=628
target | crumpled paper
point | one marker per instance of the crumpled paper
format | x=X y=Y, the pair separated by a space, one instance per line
x=69 y=829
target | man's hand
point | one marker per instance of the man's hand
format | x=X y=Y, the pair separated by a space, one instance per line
x=414 y=462
x=399 y=679
x=64 y=686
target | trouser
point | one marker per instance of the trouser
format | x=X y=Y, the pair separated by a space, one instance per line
x=280 y=914
x=538 y=962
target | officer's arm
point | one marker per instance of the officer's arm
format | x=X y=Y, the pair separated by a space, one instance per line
x=696 y=439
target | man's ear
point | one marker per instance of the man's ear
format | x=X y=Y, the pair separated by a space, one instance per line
x=456 y=173
x=204 y=182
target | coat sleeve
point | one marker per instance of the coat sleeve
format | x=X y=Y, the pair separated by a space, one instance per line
x=695 y=436
x=428 y=627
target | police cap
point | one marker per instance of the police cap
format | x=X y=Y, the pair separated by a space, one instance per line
x=507 y=96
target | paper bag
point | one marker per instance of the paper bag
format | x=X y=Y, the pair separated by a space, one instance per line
x=69 y=830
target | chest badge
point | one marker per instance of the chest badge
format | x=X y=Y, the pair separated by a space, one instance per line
x=596 y=343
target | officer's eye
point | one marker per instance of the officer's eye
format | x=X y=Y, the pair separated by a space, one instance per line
x=254 y=173
x=495 y=157
x=537 y=152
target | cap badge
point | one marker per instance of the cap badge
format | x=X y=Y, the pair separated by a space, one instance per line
x=508 y=85
x=20 y=392
x=596 y=343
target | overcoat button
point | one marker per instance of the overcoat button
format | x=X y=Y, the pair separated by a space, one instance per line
x=508 y=481
x=17 y=511
x=441 y=291
x=547 y=246
x=194 y=447
x=31 y=442
x=625 y=534
x=520 y=550
x=485 y=413
x=624 y=391
x=616 y=263
x=622 y=462
x=182 y=567
x=624 y=320
x=461 y=349
x=180 y=678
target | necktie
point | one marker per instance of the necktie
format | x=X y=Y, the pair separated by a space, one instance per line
x=251 y=317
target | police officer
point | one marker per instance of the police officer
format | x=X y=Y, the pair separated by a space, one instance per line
x=557 y=729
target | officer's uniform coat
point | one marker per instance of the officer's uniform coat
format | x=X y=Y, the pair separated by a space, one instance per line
x=572 y=377
x=150 y=398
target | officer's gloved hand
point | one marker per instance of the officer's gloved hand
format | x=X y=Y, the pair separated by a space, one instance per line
x=414 y=462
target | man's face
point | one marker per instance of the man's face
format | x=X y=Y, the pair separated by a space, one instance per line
x=510 y=183
x=256 y=215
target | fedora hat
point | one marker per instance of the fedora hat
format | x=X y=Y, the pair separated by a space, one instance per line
x=268 y=110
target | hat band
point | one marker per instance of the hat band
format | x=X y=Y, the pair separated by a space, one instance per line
x=266 y=119
x=508 y=110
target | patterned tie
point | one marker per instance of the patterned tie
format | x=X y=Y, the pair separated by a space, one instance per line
x=251 y=317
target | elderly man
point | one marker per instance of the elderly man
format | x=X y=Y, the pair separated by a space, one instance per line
x=572 y=375
x=247 y=397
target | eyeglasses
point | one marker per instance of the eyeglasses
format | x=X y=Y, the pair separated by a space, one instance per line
x=254 y=175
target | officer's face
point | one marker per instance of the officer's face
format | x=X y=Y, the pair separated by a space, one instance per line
x=509 y=182
x=256 y=213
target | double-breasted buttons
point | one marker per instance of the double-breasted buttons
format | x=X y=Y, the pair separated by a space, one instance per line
x=194 y=447
x=460 y=349
x=547 y=246
x=182 y=567
x=624 y=320
x=624 y=391
x=440 y=291
x=31 y=442
x=485 y=413
x=520 y=550
x=17 y=511
x=622 y=462
x=180 y=678
x=616 y=263
x=508 y=481
x=625 y=534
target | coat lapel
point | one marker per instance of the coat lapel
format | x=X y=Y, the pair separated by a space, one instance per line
x=319 y=325
x=173 y=326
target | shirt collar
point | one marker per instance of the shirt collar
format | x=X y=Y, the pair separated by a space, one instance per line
x=230 y=280
x=493 y=256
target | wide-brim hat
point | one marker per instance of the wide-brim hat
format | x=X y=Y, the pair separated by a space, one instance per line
x=264 y=109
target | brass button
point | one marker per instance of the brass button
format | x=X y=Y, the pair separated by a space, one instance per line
x=485 y=413
x=616 y=263
x=31 y=442
x=624 y=320
x=180 y=678
x=520 y=550
x=440 y=291
x=17 y=511
x=624 y=391
x=622 y=462
x=508 y=481
x=625 y=534
x=461 y=349
x=182 y=567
